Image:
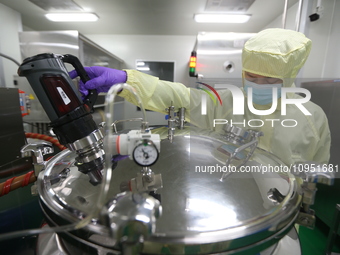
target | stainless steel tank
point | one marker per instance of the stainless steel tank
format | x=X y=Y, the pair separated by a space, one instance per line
x=219 y=194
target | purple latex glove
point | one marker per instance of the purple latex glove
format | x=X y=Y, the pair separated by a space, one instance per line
x=119 y=157
x=102 y=78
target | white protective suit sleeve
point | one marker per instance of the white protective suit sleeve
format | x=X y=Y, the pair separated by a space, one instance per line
x=157 y=95
x=308 y=141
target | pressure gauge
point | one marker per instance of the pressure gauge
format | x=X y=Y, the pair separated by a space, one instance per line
x=145 y=153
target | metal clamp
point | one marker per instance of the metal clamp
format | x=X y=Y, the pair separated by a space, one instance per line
x=37 y=151
x=316 y=173
x=306 y=219
x=238 y=135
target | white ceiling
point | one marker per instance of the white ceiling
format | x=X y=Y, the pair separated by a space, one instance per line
x=147 y=17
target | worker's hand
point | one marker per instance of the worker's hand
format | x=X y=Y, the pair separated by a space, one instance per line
x=102 y=78
x=119 y=157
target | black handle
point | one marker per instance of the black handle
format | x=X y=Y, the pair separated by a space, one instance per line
x=74 y=61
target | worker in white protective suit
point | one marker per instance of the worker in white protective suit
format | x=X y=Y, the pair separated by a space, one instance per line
x=272 y=58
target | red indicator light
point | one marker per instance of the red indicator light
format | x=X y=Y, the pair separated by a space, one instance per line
x=192 y=64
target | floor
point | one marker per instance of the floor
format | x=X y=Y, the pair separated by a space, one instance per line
x=313 y=241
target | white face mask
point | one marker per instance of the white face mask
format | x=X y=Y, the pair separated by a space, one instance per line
x=262 y=93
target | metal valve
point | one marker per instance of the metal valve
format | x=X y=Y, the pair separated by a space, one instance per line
x=175 y=119
x=146 y=181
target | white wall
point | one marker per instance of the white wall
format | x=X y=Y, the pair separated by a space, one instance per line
x=150 y=47
x=290 y=19
x=10 y=21
x=325 y=34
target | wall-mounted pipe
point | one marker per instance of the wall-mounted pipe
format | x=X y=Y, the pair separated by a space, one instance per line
x=298 y=16
x=284 y=15
x=8 y=57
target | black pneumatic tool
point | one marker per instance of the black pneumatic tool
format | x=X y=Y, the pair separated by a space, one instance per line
x=70 y=117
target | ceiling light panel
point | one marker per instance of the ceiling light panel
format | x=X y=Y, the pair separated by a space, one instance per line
x=72 y=17
x=230 y=6
x=221 y=18
x=53 y=5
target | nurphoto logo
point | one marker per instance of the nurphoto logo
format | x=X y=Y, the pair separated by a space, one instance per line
x=238 y=103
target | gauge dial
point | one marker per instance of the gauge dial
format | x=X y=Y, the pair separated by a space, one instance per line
x=145 y=153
